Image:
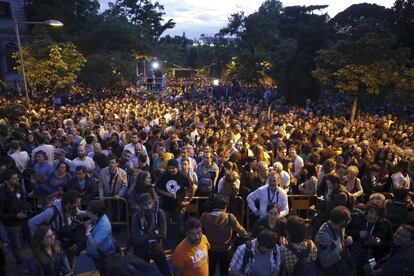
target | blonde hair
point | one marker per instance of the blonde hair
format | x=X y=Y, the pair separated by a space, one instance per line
x=352 y=169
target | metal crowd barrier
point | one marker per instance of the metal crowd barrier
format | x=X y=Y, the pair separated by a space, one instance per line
x=118 y=212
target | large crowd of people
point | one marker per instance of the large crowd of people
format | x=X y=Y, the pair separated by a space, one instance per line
x=240 y=152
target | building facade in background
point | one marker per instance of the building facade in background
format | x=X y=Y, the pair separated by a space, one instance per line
x=9 y=11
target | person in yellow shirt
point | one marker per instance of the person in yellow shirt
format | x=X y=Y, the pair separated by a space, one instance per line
x=190 y=257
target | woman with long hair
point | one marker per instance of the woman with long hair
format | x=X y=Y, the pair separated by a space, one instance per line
x=143 y=184
x=61 y=177
x=49 y=258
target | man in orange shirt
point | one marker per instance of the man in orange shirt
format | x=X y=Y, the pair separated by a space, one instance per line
x=190 y=257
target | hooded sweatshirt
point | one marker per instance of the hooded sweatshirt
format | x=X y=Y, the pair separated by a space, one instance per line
x=218 y=226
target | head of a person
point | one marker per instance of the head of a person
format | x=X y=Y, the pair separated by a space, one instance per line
x=377 y=198
x=333 y=181
x=374 y=212
x=219 y=202
x=11 y=177
x=80 y=172
x=262 y=169
x=296 y=229
x=97 y=148
x=266 y=241
x=352 y=172
x=134 y=138
x=62 y=168
x=44 y=238
x=40 y=157
x=329 y=165
x=96 y=209
x=208 y=158
x=273 y=211
x=143 y=179
x=292 y=152
x=138 y=148
x=340 y=217
x=172 y=166
x=374 y=170
x=146 y=202
x=278 y=167
x=185 y=164
x=404 y=235
x=81 y=152
x=71 y=200
x=273 y=181
x=126 y=155
x=113 y=162
x=193 y=231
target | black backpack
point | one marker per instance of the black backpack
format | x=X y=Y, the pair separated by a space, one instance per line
x=304 y=266
x=248 y=254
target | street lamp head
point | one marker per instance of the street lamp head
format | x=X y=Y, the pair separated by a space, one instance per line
x=155 y=65
x=53 y=23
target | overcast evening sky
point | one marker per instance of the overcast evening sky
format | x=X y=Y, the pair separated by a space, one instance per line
x=195 y=17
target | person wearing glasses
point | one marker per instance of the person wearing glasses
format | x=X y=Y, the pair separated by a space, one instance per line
x=49 y=257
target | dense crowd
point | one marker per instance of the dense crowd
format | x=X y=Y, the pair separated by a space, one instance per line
x=241 y=149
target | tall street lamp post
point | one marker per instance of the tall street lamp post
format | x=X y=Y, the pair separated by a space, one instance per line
x=53 y=23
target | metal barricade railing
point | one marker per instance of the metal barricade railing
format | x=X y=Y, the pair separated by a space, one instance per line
x=301 y=204
x=118 y=212
x=193 y=207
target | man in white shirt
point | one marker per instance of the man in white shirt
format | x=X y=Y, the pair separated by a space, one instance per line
x=268 y=194
x=297 y=161
x=82 y=160
x=21 y=158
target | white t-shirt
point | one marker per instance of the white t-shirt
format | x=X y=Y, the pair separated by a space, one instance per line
x=21 y=158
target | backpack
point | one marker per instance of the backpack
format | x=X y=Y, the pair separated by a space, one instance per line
x=304 y=266
x=248 y=255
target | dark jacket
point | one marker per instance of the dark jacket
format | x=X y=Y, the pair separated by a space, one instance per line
x=399 y=263
x=218 y=226
x=11 y=203
x=58 y=265
x=89 y=191
x=363 y=249
x=148 y=231
x=279 y=229
x=338 y=198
